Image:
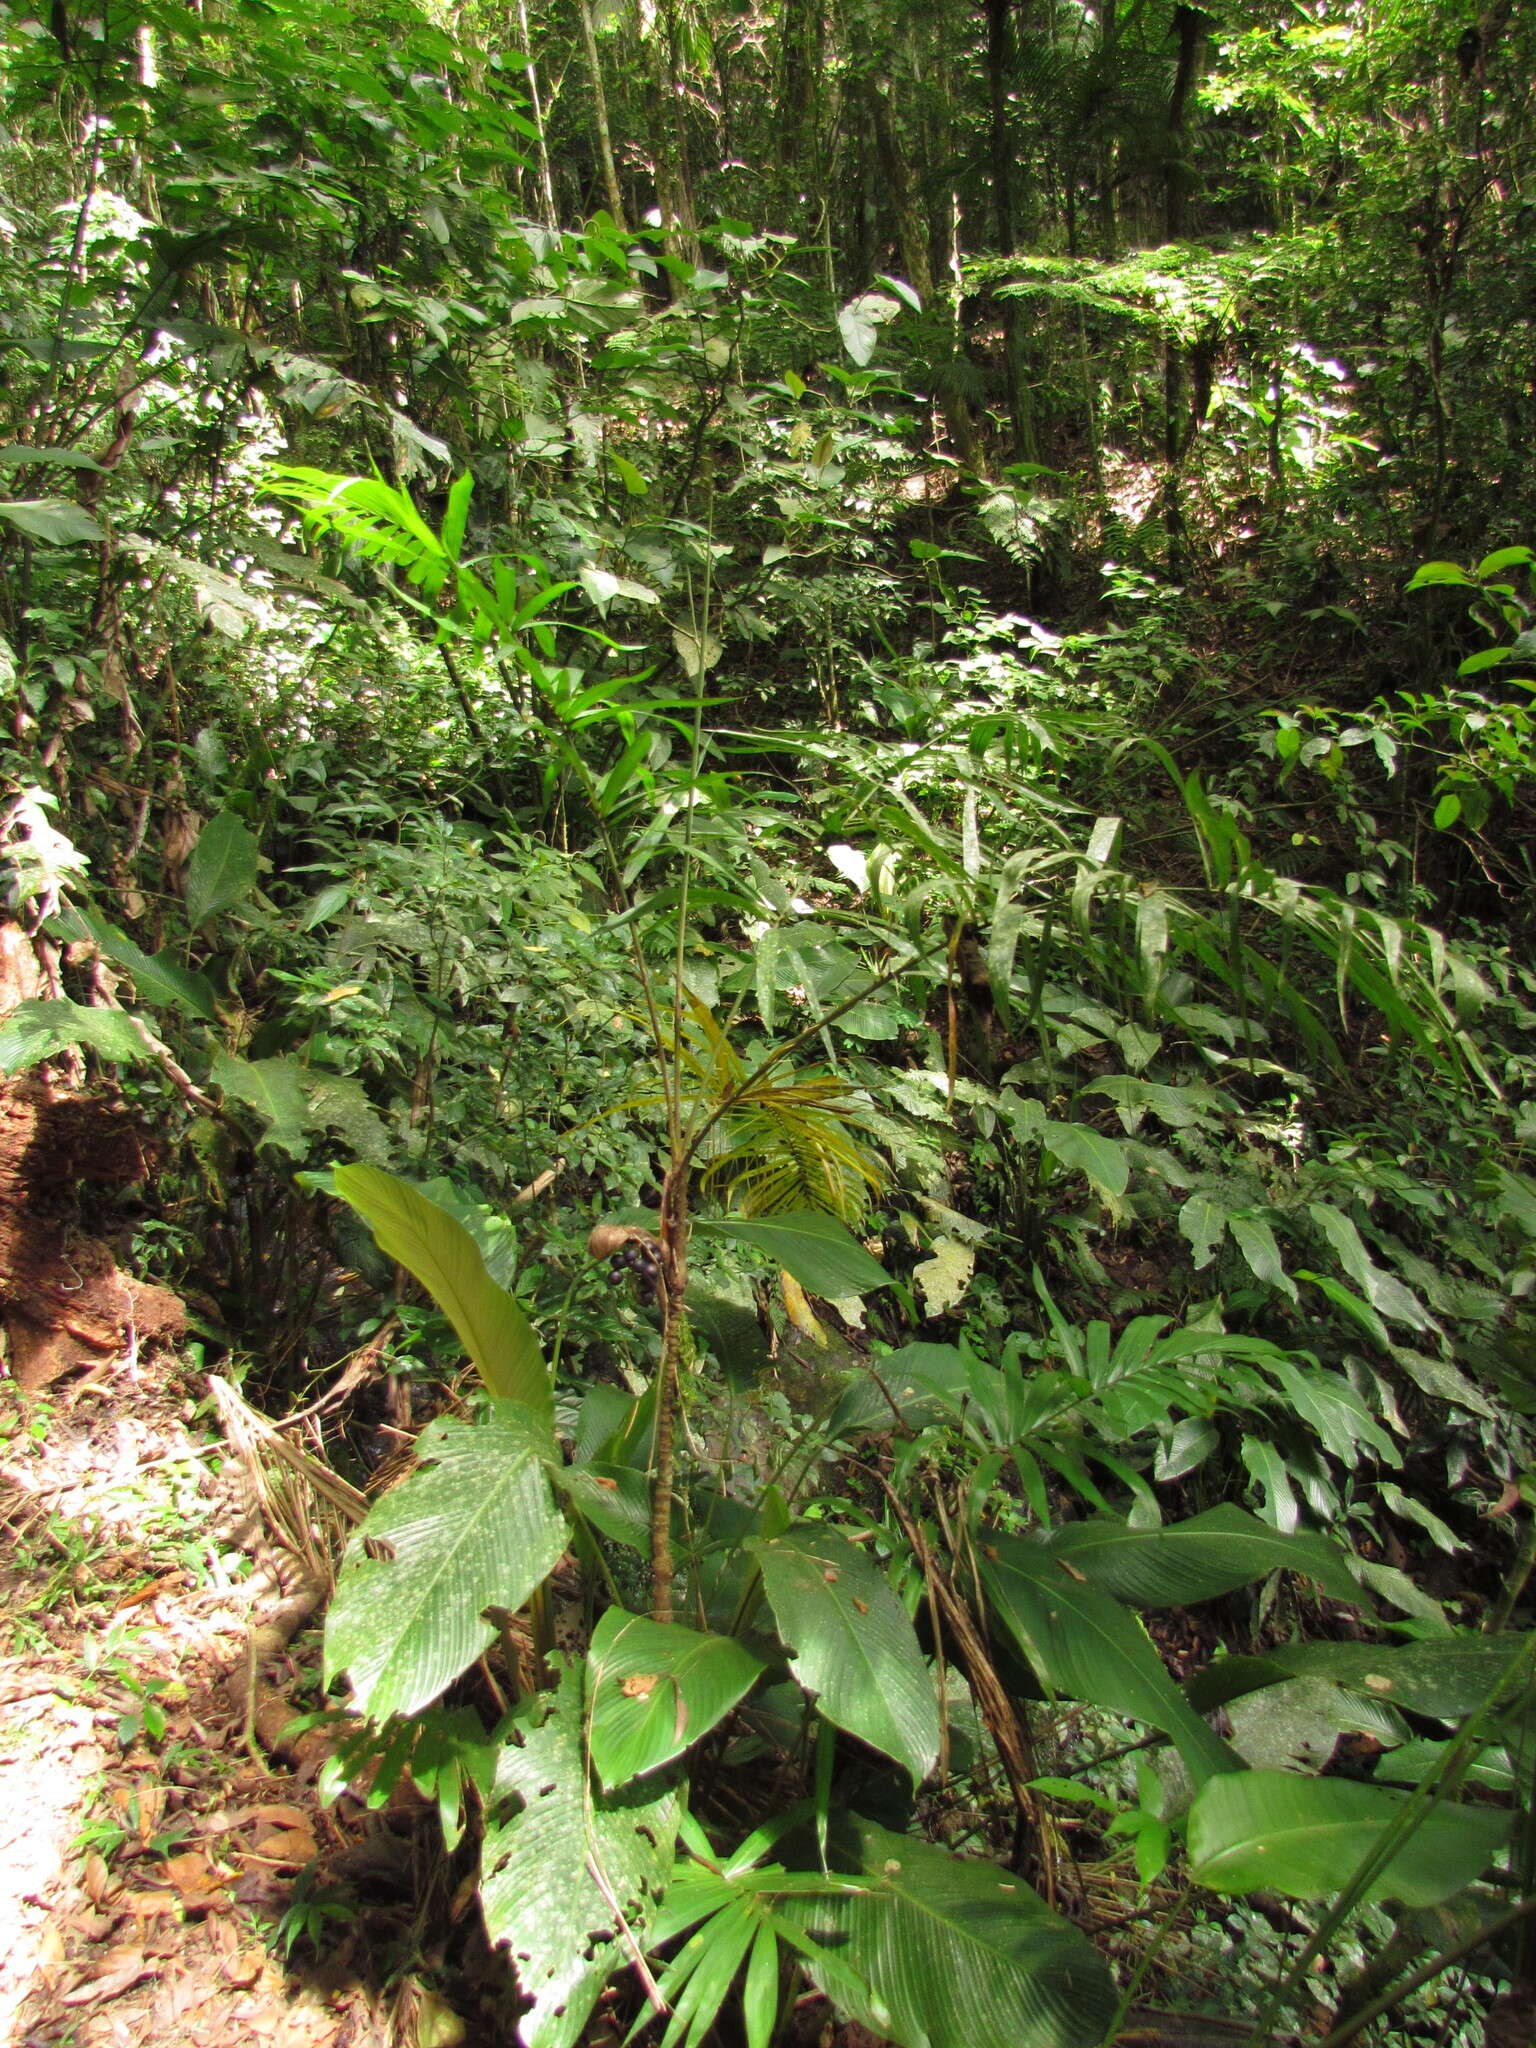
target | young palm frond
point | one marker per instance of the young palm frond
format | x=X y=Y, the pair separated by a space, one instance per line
x=782 y=1144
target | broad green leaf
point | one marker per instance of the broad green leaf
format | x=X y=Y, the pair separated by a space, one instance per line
x=615 y=1499
x=1328 y=1404
x=1446 y=1382
x=1204 y=1223
x=337 y=1102
x=156 y=979
x=473 y=1527
x=41 y=1027
x=1256 y=1241
x=442 y=1255
x=1083 y=1645
x=1359 y=1312
x=560 y=1873
x=860 y=321
x=851 y=1643
x=958 y=1953
x=55 y=520
x=630 y=477
x=223 y=868
x=1444 y=1676
x=1266 y=1465
x=924 y=1381
x=1199 y=1559
x=656 y=1689
x=822 y=1254
x=1503 y=559
x=1294 y=1725
x=1079 y=1149
x=1304 y=1837
x=1384 y=1291
x=1434 y=573
x=274 y=1089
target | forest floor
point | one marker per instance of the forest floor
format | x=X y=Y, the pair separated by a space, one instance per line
x=149 y=1852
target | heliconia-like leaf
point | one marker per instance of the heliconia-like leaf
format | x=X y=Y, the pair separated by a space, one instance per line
x=1305 y=1837
x=657 y=1688
x=440 y=1252
x=1084 y=1646
x=1209 y=1554
x=474 y=1526
x=958 y=1953
x=571 y=1870
x=851 y=1643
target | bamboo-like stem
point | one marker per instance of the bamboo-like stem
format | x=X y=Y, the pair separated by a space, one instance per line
x=673 y=1277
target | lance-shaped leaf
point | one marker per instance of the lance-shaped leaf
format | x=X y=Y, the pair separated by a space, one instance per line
x=656 y=1689
x=1446 y=1676
x=1085 y=1646
x=1208 y=1555
x=823 y=1255
x=1305 y=1837
x=437 y=1248
x=156 y=979
x=223 y=868
x=959 y=1954
x=573 y=1869
x=474 y=1527
x=851 y=1643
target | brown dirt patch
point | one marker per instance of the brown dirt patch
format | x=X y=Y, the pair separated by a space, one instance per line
x=146 y=1858
x=63 y=1300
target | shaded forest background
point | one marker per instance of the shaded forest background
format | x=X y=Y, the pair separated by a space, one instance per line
x=854 y=682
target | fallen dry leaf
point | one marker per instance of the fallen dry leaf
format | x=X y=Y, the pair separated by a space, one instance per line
x=118 y=1970
x=287 y=1845
x=197 y=1883
x=149 y=1905
x=244 y=1968
x=100 y=1884
x=278 y=1816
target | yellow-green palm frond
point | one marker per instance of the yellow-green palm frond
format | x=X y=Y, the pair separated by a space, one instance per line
x=792 y=1146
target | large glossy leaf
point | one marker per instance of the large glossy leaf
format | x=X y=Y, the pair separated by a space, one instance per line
x=437 y=1248
x=55 y=520
x=656 y=1689
x=474 y=1527
x=959 y=1954
x=223 y=868
x=156 y=979
x=1208 y=1555
x=1085 y=1646
x=923 y=1381
x=851 y=1643
x=274 y=1089
x=560 y=1872
x=1101 y=1160
x=1305 y=1837
x=37 y=1029
x=822 y=1254
x=1446 y=1676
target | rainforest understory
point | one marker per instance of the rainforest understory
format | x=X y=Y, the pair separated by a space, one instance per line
x=768 y=1024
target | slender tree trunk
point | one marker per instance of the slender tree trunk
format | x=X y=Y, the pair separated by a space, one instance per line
x=912 y=240
x=669 y=147
x=911 y=228
x=1000 y=67
x=600 y=108
x=1189 y=25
